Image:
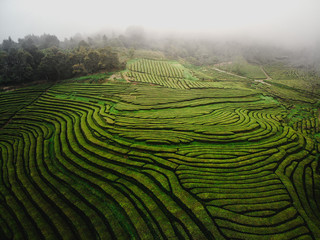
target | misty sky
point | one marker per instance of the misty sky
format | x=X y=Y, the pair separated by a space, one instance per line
x=285 y=20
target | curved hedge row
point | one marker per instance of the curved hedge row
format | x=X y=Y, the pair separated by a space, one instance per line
x=307 y=126
x=12 y=101
x=157 y=68
x=164 y=73
x=123 y=161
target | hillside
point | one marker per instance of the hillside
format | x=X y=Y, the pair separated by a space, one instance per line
x=162 y=150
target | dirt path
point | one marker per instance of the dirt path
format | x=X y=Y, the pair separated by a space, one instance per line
x=222 y=64
x=233 y=74
x=119 y=76
x=261 y=81
x=126 y=77
x=266 y=74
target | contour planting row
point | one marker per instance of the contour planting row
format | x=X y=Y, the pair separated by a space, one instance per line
x=11 y=102
x=132 y=104
x=281 y=72
x=299 y=173
x=158 y=80
x=215 y=126
x=264 y=190
x=307 y=126
x=198 y=122
x=101 y=167
x=44 y=196
x=90 y=202
x=251 y=185
x=155 y=95
x=69 y=172
x=157 y=68
x=168 y=81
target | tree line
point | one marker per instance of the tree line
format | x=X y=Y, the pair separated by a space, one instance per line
x=41 y=58
x=46 y=57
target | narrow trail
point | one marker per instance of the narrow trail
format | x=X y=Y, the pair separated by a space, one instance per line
x=263 y=80
x=236 y=75
x=233 y=74
x=266 y=74
x=256 y=80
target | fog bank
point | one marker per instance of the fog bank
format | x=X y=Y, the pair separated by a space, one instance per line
x=293 y=23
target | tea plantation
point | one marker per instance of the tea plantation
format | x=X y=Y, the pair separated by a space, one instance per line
x=163 y=155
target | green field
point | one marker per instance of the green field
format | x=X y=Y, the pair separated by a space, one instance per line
x=292 y=78
x=242 y=68
x=165 y=153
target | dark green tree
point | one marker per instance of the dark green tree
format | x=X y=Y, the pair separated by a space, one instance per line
x=16 y=66
x=55 y=65
x=91 y=61
x=83 y=43
x=48 y=41
x=108 y=59
x=8 y=44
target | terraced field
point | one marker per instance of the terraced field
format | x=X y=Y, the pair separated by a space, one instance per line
x=215 y=74
x=241 y=67
x=134 y=161
x=164 y=73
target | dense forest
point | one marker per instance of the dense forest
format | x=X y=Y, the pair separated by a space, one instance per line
x=44 y=58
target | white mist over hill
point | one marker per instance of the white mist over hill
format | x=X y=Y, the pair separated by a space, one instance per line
x=289 y=22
